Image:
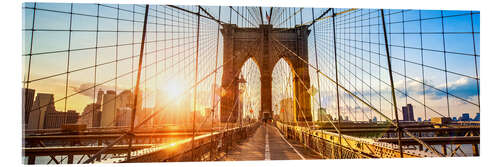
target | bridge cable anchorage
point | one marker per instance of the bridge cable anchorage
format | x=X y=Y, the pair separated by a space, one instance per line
x=361 y=100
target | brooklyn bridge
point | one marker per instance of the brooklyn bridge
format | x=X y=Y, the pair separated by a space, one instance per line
x=121 y=83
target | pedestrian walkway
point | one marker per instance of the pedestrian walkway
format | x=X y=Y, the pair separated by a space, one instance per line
x=268 y=144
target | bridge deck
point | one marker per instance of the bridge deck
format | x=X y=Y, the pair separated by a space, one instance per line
x=275 y=147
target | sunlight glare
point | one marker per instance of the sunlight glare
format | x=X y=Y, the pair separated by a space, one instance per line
x=174 y=88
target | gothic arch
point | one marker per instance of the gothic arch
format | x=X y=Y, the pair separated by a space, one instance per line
x=260 y=45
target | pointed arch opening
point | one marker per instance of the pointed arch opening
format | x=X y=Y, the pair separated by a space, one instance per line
x=283 y=91
x=250 y=90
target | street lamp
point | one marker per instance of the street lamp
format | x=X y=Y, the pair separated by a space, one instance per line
x=242 y=86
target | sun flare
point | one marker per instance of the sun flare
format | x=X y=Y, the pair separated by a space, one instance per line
x=174 y=88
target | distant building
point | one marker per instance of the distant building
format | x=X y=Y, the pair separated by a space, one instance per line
x=100 y=95
x=112 y=103
x=125 y=99
x=408 y=113
x=465 y=117
x=440 y=120
x=108 y=109
x=56 y=119
x=477 y=117
x=286 y=110
x=91 y=115
x=123 y=116
x=323 y=115
x=28 y=97
x=43 y=104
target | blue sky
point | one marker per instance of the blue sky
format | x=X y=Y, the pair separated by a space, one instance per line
x=455 y=44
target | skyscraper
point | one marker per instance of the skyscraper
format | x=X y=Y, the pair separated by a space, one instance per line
x=125 y=99
x=123 y=116
x=124 y=108
x=28 y=97
x=108 y=109
x=112 y=103
x=55 y=119
x=408 y=113
x=91 y=115
x=477 y=117
x=465 y=117
x=100 y=94
x=44 y=103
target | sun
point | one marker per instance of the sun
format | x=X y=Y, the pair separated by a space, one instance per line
x=174 y=88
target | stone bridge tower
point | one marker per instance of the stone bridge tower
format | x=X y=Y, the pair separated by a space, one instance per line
x=260 y=44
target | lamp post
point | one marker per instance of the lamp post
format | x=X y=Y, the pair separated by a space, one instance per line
x=242 y=86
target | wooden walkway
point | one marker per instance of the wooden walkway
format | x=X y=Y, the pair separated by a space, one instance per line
x=268 y=144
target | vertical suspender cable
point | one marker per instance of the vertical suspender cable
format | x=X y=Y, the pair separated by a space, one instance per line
x=392 y=85
x=261 y=17
x=475 y=58
x=31 y=47
x=317 y=67
x=317 y=76
x=138 y=81
x=337 y=86
x=214 y=90
x=196 y=81
x=67 y=64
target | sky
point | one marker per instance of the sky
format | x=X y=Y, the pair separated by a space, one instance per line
x=427 y=49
